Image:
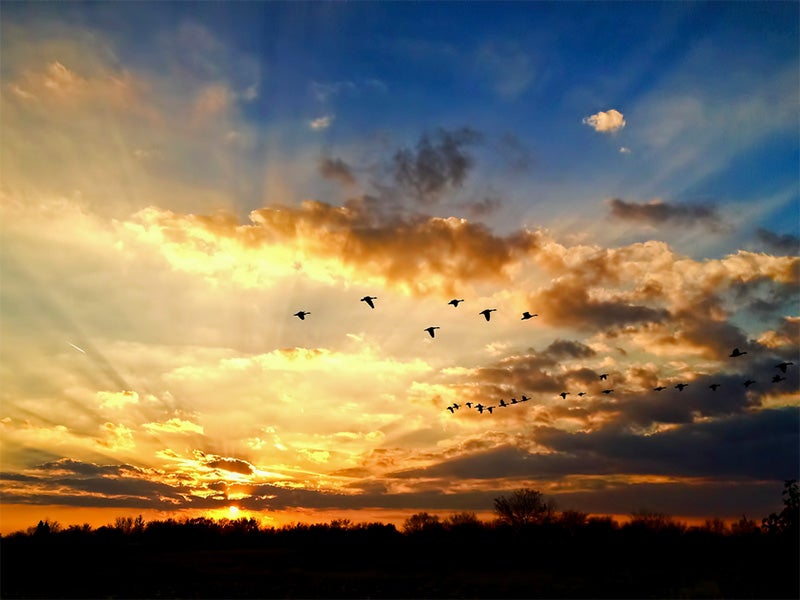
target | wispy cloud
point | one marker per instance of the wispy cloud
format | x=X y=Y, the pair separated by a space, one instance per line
x=320 y=123
x=657 y=212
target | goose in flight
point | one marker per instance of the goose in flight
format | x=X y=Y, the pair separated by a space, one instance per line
x=608 y=391
x=714 y=386
x=782 y=366
x=451 y=409
x=526 y=315
x=581 y=394
x=369 y=299
x=564 y=395
x=480 y=407
x=455 y=302
x=659 y=388
x=456 y=406
x=604 y=376
x=514 y=401
x=469 y=404
x=778 y=379
x=502 y=403
x=736 y=352
x=432 y=329
x=524 y=398
x=680 y=386
x=748 y=383
x=490 y=409
x=301 y=314
x=487 y=312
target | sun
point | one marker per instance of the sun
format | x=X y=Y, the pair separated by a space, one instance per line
x=233 y=511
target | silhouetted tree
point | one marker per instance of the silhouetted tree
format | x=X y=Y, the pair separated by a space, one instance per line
x=523 y=507
x=788 y=519
x=419 y=522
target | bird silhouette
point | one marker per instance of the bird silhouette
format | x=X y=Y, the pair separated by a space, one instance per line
x=456 y=406
x=748 y=383
x=480 y=408
x=432 y=329
x=455 y=302
x=581 y=394
x=450 y=408
x=526 y=315
x=490 y=409
x=714 y=386
x=680 y=386
x=469 y=404
x=604 y=376
x=607 y=391
x=502 y=403
x=736 y=352
x=564 y=395
x=487 y=312
x=659 y=388
x=524 y=398
x=514 y=401
x=301 y=314
x=778 y=379
x=782 y=366
x=369 y=299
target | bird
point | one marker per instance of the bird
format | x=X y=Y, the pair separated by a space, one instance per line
x=607 y=391
x=369 y=299
x=748 y=383
x=714 y=386
x=431 y=329
x=736 y=352
x=526 y=315
x=455 y=302
x=514 y=400
x=301 y=314
x=487 y=312
x=680 y=386
x=469 y=404
x=564 y=395
x=456 y=406
x=778 y=379
x=581 y=393
x=659 y=388
x=782 y=366
x=450 y=408
x=503 y=403
x=524 y=398
x=490 y=409
x=480 y=407
x=604 y=376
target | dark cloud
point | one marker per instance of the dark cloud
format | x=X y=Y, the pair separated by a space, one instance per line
x=231 y=464
x=569 y=349
x=483 y=208
x=337 y=170
x=440 y=161
x=657 y=212
x=787 y=243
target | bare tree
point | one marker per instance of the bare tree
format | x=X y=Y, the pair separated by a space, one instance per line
x=524 y=506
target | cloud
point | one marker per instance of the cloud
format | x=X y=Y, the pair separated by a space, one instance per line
x=337 y=170
x=439 y=162
x=624 y=150
x=321 y=123
x=605 y=122
x=510 y=69
x=657 y=212
x=117 y=399
x=787 y=243
x=174 y=425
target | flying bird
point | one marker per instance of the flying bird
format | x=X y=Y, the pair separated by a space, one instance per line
x=778 y=379
x=782 y=366
x=736 y=352
x=659 y=388
x=369 y=299
x=748 y=383
x=490 y=409
x=487 y=312
x=604 y=376
x=526 y=315
x=714 y=386
x=480 y=408
x=456 y=406
x=680 y=386
x=503 y=403
x=301 y=314
x=515 y=401
x=524 y=398
x=469 y=404
x=607 y=391
x=581 y=393
x=455 y=302
x=564 y=395
x=450 y=408
x=432 y=329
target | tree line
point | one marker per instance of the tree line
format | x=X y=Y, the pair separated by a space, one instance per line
x=530 y=549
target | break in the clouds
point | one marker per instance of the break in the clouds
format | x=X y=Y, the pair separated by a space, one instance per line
x=657 y=212
x=605 y=121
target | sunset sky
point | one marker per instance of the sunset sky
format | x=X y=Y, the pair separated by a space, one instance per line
x=178 y=179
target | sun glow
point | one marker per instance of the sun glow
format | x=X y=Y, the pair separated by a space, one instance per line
x=233 y=511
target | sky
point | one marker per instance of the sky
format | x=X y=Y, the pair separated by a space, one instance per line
x=180 y=179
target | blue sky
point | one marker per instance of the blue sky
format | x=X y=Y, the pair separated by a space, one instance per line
x=180 y=178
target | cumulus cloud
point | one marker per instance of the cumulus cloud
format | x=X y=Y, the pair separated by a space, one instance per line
x=337 y=170
x=321 y=123
x=439 y=162
x=605 y=121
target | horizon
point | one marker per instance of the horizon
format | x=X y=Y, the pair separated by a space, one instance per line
x=196 y=202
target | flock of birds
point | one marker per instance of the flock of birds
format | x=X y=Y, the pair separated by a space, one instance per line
x=487 y=314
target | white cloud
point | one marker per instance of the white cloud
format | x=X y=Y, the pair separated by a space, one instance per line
x=322 y=122
x=606 y=121
x=624 y=150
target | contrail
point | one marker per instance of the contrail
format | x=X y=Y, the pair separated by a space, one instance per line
x=76 y=347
